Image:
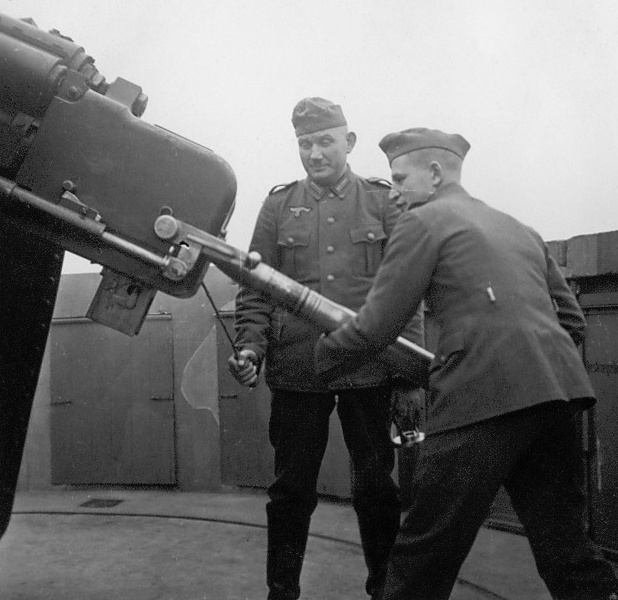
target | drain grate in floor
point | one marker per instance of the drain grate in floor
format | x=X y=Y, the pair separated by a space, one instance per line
x=101 y=503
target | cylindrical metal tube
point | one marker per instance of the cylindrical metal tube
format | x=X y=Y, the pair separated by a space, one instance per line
x=33 y=65
x=54 y=43
x=11 y=191
x=28 y=77
x=408 y=359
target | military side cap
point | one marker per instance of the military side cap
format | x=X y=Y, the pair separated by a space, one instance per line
x=419 y=138
x=315 y=114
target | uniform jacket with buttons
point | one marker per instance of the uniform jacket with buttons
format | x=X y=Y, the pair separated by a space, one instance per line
x=507 y=318
x=332 y=241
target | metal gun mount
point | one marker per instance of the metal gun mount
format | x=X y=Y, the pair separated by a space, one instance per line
x=80 y=169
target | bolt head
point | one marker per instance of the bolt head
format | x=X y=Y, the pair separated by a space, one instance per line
x=166 y=227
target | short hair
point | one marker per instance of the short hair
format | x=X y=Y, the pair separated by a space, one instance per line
x=425 y=156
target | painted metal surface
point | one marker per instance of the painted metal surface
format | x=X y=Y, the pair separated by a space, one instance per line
x=112 y=398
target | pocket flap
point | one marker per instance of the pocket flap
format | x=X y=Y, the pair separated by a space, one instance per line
x=291 y=239
x=367 y=234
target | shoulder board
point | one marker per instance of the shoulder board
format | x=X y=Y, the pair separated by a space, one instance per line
x=380 y=181
x=281 y=187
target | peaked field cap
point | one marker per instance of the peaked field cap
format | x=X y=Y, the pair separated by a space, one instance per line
x=419 y=138
x=314 y=114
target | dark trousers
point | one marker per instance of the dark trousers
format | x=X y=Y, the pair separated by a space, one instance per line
x=534 y=453
x=299 y=434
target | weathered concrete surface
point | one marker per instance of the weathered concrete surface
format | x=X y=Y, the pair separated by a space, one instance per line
x=157 y=545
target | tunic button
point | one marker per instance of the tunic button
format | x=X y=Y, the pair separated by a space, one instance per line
x=331 y=195
x=330 y=249
x=371 y=236
x=330 y=277
x=331 y=219
x=290 y=240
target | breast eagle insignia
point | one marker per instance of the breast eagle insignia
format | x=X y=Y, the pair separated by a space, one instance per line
x=297 y=210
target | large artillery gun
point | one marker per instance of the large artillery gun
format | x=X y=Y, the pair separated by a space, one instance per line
x=80 y=171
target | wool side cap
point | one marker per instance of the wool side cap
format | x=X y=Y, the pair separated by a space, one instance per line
x=315 y=114
x=419 y=138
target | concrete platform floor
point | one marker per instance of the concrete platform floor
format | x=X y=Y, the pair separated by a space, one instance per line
x=168 y=545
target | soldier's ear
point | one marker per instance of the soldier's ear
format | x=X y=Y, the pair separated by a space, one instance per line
x=351 y=139
x=437 y=174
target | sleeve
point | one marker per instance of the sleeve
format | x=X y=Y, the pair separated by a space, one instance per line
x=400 y=284
x=253 y=312
x=415 y=328
x=568 y=310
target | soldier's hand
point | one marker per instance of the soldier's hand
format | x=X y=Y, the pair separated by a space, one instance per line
x=244 y=368
x=406 y=406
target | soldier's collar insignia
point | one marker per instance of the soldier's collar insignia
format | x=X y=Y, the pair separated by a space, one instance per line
x=340 y=189
x=315 y=190
x=297 y=210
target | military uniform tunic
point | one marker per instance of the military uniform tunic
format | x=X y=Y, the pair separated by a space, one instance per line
x=330 y=240
x=503 y=309
x=504 y=390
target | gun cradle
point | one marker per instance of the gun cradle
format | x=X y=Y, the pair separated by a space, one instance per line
x=74 y=147
x=128 y=171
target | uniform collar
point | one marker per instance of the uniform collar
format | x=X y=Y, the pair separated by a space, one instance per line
x=340 y=189
x=445 y=190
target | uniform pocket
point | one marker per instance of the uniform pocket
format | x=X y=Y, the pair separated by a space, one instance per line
x=368 y=243
x=294 y=253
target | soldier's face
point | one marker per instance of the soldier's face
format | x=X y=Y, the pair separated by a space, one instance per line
x=324 y=154
x=412 y=181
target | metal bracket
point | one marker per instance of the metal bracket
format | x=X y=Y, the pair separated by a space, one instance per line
x=121 y=303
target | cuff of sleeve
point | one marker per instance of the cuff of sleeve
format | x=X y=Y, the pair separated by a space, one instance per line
x=327 y=366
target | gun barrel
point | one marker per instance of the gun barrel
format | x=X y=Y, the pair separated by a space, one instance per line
x=34 y=63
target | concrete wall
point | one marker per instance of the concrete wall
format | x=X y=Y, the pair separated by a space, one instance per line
x=584 y=256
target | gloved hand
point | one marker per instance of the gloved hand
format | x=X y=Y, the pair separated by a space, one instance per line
x=406 y=410
x=245 y=368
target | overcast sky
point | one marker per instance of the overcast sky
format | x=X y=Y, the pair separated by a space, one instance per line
x=532 y=85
